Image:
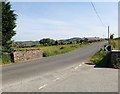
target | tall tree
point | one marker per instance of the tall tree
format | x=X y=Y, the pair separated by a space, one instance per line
x=8 y=26
x=0 y=25
x=47 y=41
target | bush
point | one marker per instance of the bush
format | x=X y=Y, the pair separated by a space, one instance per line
x=46 y=54
x=6 y=58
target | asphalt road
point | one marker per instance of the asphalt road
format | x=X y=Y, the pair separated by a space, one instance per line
x=22 y=72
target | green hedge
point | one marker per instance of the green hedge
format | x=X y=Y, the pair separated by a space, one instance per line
x=6 y=58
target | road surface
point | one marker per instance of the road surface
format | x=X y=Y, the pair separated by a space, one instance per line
x=30 y=75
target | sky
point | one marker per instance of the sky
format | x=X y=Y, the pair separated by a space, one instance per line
x=62 y=20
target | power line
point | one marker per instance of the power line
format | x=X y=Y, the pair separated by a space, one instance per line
x=98 y=15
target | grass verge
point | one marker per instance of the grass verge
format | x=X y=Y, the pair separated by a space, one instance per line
x=6 y=58
x=115 y=43
x=103 y=59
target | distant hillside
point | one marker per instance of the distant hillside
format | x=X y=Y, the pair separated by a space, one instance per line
x=73 y=40
x=67 y=41
x=27 y=43
x=30 y=43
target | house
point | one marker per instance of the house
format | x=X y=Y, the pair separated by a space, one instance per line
x=91 y=39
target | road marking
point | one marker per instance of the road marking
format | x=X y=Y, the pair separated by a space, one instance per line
x=56 y=79
x=80 y=65
x=43 y=86
x=76 y=68
x=83 y=62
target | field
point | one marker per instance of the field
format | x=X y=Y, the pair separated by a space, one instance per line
x=47 y=50
x=54 y=50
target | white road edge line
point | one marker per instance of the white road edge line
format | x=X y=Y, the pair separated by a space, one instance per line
x=76 y=68
x=83 y=62
x=56 y=79
x=43 y=86
x=80 y=65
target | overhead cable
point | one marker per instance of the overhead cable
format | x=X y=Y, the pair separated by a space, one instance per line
x=98 y=15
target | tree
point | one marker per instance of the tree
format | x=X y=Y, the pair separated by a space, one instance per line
x=47 y=41
x=56 y=42
x=81 y=41
x=8 y=26
x=0 y=26
x=62 y=42
x=111 y=36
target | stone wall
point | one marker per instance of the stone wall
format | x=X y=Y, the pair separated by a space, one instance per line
x=115 y=56
x=27 y=55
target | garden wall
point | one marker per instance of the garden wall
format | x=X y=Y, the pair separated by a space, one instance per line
x=115 y=58
x=24 y=55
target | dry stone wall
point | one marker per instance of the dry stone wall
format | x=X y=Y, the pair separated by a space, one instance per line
x=115 y=56
x=27 y=55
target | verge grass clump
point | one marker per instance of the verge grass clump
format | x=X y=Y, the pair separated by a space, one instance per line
x=115 y=43
x=101 y=58
x=55 y=50
x=6 y=58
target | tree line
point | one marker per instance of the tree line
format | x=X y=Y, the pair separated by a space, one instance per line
x=49 y=42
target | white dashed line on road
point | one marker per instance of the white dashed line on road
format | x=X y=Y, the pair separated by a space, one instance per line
x=76 y=68
x=43 y=86
x=56 y=79
x=80 y=65
x=83 y=62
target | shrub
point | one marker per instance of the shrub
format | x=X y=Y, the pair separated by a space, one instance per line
x=6 y=58
x=46 y=54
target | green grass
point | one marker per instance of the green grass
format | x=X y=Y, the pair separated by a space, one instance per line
x=115 y=43
x=101 y=58
x=55 y=50
x=6 y=58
